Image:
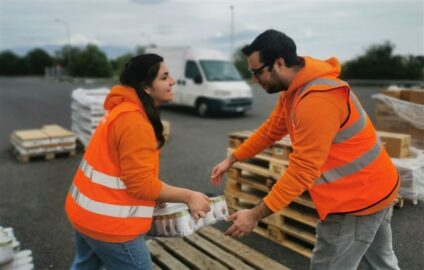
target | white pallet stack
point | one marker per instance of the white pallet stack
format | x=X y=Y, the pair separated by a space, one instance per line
x=87 y=111
x=22 y=259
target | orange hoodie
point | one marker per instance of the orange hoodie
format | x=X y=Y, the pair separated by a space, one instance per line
x=133 y=147
x=318 y=118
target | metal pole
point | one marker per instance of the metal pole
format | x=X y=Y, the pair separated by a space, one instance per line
x=68 y=35
x=232 y=29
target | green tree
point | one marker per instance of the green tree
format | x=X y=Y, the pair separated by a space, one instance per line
x=379 y=62
x=64 y=56
x=140 y=50
x=89 y=62
x=37 y=60
x=119 y=63
x=240 y=61
x=11 y=64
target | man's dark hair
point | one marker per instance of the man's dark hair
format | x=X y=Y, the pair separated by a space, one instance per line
x=273 y=44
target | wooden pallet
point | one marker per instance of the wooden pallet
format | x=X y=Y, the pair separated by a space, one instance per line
x=25 y=158
x=207 y=249
x=299 y=210
x=262 y=165
x=293 y=227
x=280 y=149
x=291 y=237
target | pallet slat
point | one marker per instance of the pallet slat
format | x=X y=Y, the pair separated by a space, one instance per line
x=208 y=248
x=228 y=259
x=250 y=256
x=190 y=255
x=163 y=258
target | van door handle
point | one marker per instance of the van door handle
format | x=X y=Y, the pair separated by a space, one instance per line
x=182 y=82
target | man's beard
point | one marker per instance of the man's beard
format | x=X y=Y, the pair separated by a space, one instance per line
x=276 y=85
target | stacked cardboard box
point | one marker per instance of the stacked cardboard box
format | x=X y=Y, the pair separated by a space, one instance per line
x=396 y=144
x=388 y=120
x=47 y=141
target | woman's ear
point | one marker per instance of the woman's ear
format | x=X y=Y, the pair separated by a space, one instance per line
x=146 y=89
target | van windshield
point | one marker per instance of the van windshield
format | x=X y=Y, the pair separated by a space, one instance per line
x=216 y=70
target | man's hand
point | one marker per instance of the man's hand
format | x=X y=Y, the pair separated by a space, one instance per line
x=244 y=221
x=220 y=169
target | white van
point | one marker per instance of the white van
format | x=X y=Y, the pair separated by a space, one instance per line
x=206 y=80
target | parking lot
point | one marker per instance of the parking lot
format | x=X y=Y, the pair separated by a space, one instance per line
x=32 y=194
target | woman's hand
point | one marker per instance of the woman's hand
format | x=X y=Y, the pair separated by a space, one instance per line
x=198 y=203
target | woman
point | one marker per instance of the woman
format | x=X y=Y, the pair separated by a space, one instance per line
x=111 y=200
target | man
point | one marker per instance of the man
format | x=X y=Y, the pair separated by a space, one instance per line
x=337 y=157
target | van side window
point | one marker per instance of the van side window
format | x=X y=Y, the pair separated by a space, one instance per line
x=191 y=70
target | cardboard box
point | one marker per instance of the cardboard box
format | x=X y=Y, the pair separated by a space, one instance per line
x=413 y=95
x=393 y=93
x=396 y=144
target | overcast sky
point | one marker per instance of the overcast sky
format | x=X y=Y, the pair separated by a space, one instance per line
x=321 y=28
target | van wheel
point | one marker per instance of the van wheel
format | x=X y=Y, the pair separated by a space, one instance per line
x=202 y=108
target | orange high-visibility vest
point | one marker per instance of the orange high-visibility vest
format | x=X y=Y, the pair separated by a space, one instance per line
x=358 y=172
x=98 y=199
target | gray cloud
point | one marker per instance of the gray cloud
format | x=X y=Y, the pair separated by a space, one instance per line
x=320 y=28
x=148 y=2
x=239 y=37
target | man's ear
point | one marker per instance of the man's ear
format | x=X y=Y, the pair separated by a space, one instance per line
x=280 y=63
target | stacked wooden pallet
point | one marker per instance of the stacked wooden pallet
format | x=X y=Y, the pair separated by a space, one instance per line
x=207 y=249
x=396 y=144
x=249 y=181
x=48 y=142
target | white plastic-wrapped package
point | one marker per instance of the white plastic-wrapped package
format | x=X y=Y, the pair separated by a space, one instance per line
x=175 y=220
x=87 y=111
x=411 y=172
x=411 y=112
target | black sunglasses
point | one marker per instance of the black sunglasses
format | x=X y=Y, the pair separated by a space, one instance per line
x=258 y=71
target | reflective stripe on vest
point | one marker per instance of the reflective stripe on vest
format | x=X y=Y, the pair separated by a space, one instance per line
x=112 y=210
x=356 y=127
x=343 y=135
x=351 y=167
x=101 y=178
x=318 y=82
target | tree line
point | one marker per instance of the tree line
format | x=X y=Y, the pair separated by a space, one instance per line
x=377 y=62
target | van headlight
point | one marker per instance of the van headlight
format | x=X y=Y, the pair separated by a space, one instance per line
x=222 y=93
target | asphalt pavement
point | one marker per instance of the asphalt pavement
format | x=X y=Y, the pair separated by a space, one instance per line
x=32 y=195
